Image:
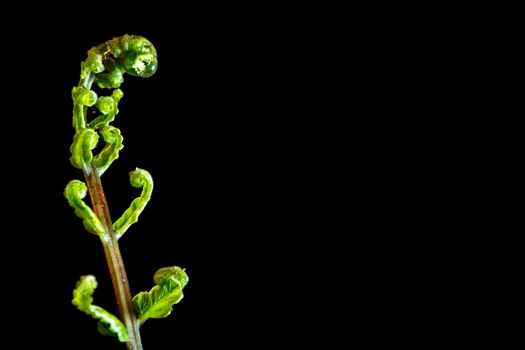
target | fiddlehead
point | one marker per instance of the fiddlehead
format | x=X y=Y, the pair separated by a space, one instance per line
x=105 y=66
x=82 y=98
x=109 y=153
x=108 y=324
x=107 y=62
x=159 y=301
x=83 y=143
x=108 y=106
x=75 y=191
x=138 y=178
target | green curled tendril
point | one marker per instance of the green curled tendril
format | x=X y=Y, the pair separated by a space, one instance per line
x=108 y=324
x=75 y=191
x=108 y=106
x=82 y=98
x=83 y=143
x=159 y=301
x=109 y=153
x=138 y=178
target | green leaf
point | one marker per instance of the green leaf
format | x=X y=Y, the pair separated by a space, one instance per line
x=159 y=301
x=141 y=56
x=83 y=298
x=93 y=63
x=109 y=324
x=138 y=178
x=83 y=293
x=74 y=192
x=171 y=272
x=109 y=61
x=110 y=152
x=82 y=98
x=84 y=142
x=108 y=106
x=113 y=78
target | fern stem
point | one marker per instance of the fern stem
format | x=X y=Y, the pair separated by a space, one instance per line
x=114 y=259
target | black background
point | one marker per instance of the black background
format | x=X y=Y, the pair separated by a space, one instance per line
x=302 y=174
x=227 y=128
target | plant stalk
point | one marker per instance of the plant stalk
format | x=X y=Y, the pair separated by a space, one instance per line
x=114 y=259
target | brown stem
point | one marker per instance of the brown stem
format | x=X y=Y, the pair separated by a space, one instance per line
x=114 y=259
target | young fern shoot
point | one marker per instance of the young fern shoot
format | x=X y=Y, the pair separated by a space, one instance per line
x=105 y=66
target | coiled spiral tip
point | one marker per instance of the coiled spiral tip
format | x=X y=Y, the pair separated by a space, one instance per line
x=140 y=56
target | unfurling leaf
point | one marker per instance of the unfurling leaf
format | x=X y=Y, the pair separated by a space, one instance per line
x=82 y=98
x=108 y=106
x=81 y=149
x=108 y=324
x=159 y=301
x=110 y=152
x=74 y=192
x=138 y=178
